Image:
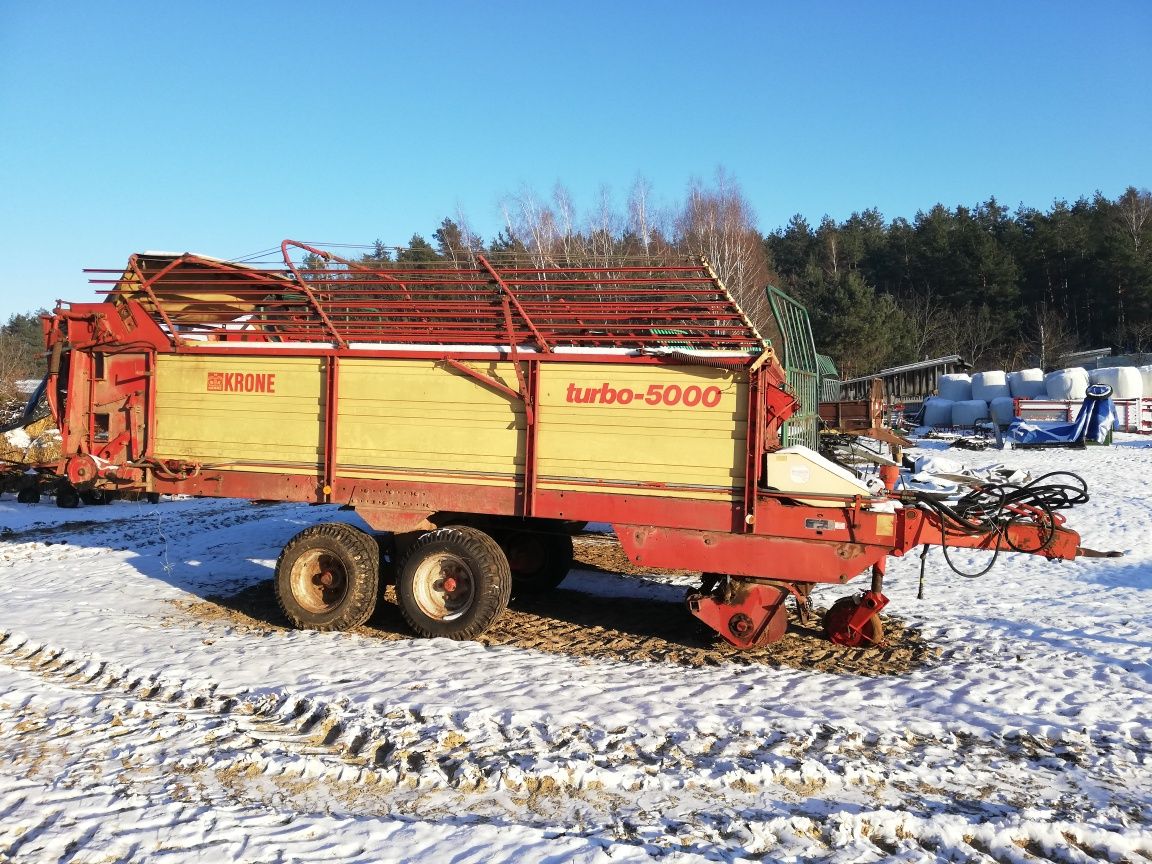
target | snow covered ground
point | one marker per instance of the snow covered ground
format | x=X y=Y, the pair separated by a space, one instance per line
x=136 y=726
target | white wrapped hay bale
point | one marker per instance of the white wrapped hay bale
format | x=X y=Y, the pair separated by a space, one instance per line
x=956 y=387
x=1003 y=410
x=1027 y=384
x=938 y=412
x=1066 y=383
x=1125 y=381
x=990 y=385
x=969 y=412
x=1146 y=380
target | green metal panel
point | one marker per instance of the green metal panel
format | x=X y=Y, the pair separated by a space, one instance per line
x=829 y=379
x=802 y=365
x=827 y=367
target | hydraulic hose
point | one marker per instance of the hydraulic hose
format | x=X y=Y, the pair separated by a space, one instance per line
x=992 y=508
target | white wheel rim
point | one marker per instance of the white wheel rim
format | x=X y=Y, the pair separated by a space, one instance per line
x=319 y=581
x=443 y=586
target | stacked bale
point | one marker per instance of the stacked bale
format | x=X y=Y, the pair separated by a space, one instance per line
x=968 y=400
x=955 y=388
x=1003 y=410
x=1027 y=384
x=969 y=412
x=1125 y=381
x=1066 y=383
x=1146 y=381
x=987 y=386
x=938 y=411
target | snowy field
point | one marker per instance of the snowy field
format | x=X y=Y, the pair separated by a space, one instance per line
x=135 y=725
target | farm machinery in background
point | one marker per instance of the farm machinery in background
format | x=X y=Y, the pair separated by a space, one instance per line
x=29 y=449
x=482 y=414
x=30 y=454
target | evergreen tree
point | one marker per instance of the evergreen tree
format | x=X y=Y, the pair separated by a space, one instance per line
x=419 y=251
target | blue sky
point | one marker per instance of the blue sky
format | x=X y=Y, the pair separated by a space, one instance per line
x=225 y=127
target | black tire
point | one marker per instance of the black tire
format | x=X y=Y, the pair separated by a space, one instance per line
x=67 y=497
x=466 y=606
x=539 y=560
x=152 y=497
x=96 y=496
x=327 y=577
x=28 y=495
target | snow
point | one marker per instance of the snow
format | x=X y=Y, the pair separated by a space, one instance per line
x=17 y=438
x=131 y=729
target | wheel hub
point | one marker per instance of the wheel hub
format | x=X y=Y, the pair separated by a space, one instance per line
x=443 y=587
x=319 y=581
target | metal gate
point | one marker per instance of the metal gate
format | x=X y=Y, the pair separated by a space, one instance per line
x=798 y=354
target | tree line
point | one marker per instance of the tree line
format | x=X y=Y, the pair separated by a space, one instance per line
x=1001 y=289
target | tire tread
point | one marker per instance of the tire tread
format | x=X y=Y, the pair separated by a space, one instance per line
x=358 y=549
x=492 y=594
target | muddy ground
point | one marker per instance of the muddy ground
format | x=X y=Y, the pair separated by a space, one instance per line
x=629 y=629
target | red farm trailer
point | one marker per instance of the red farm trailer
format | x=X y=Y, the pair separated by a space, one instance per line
x=482 y=413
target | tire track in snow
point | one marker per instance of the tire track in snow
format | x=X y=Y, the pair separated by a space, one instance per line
x=150 y=527
x=691 y=791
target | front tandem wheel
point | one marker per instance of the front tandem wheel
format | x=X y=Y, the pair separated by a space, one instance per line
x=328 y=576
x=455 y=582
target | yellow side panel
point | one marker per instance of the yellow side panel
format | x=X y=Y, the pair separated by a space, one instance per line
x=255 y=413
x=681 y=425
x=422 y=417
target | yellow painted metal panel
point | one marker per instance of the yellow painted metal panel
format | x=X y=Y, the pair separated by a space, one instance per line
x=681 y=425
x=259 y=413
x=419 y=416
x=420 y=420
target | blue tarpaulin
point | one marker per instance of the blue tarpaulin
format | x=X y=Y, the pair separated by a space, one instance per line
x=1093 y=424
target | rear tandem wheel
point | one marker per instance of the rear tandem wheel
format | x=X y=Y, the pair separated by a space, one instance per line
x=328 y=577
x=539 y=560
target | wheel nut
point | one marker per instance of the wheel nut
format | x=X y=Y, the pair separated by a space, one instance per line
x=740 y=625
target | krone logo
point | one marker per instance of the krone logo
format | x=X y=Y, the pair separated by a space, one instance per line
x=241 y=382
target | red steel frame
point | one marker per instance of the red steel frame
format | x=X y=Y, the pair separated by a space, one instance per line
x=195 y=304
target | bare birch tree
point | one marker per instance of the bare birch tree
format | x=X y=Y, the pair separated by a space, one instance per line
x=717 y=223
x=1135 y=209
x=931 y=322
x=533 y=223
x=571 y=242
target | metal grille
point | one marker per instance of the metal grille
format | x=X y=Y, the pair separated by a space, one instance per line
x=343 y=302
x=829 y=379
x=798 y=354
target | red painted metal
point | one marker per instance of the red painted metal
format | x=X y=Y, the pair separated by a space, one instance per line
x=764 y=556
x=746 y=614
x=312 y=299
x=510 y=297
x=146 y=287
x=753 y=456
x=331 y=423
x=346 y=302
x=486 y=380
x=847 y=622
x=532 y=434
x=922 y=527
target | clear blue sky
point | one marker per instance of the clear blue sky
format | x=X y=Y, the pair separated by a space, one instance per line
x=224 y=127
